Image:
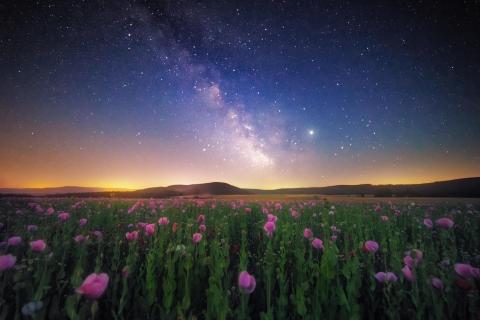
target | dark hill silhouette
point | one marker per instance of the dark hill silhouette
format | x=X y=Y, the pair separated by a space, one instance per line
x=466 y=187
x=56 y=190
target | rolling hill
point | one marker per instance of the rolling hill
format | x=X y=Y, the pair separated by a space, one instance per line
x=466 y=187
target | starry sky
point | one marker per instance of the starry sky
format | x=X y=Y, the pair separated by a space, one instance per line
x=254 y=93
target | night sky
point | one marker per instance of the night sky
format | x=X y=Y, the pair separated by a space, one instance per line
x=254 y=93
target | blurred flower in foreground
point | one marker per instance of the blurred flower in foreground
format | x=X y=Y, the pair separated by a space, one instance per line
x=94 y=286
x=246 y=282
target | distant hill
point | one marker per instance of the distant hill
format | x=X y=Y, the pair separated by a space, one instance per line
x=212 y=188
x=467 y=187
x=56 y=190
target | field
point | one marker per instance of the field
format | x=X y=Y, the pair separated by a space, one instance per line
x=239 y=259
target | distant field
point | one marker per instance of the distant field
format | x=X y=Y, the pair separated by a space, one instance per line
x=344 y=199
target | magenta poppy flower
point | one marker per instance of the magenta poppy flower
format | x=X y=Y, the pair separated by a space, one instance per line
x=38 y=245
x=464 y=270
x=307 y=233
x=7 y=262
x=246 y=282
x=201 y=218
x=163 y=221
x=14 y=241
x=408 y=274
x=269 y=228
x=317 y=244
x=98 y=234
x=82 y=222
x=294 y=213
x=370 y=246
x=386 y=277
x=150 y=229
x=64 y=216
x=202 y=228
x=408 y=261
x=272 y=218
x=131 y=236
x=79 y=238
x=445 y=223
x=49 y=211
x=94 y=286
x=428 y=223
x=437 y=283
x=196 y=237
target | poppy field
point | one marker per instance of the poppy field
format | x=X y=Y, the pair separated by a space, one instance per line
x=202 y=259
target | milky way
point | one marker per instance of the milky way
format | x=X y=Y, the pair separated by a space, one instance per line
x=258 y=94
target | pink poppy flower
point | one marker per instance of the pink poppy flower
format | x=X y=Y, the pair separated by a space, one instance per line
x=307 y=233
x=98 y=234
x=82 y=222
x=7 y=262
x=272 y=218
x=38 y=245
x=174 y=227
x=384 y=218
x=49 y=211
x=64 y=216
x=14 y=241
x=246 y=282
x=202 y=228
x=386 y=277
x=94 y=286
x=79 y=238
x=444 y=223
x=408 y=274
x=131 y=236
x=196 y=237
x=150 y=229
x=464 y=270
x=269 y=228
x=428 y=223
x=163 y=221
x=437 y=283
x=201 y=218
x=248 y=210
x=317 y=244
x=370 y=246
x=294 y=213
x=408 y=261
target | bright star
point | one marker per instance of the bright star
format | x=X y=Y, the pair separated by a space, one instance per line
x=311 y=132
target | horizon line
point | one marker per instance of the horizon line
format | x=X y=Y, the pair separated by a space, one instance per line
x=241 y=187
